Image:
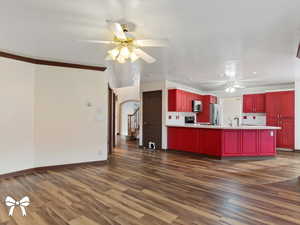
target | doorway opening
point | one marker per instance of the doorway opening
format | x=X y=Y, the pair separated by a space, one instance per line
x=129 y=123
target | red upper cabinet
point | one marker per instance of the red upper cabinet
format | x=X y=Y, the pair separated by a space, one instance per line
x=181 y=101
x=247 y=103
x=173 y=100
x=260 y=103
x=287 y=106
x=204 y=116
x=254 y=103
x=272 y=106
x=280 y=104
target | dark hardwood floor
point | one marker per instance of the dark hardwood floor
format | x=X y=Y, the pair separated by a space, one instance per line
x=139 y=187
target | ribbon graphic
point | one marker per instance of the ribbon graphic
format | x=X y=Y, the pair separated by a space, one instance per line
x=10 y=202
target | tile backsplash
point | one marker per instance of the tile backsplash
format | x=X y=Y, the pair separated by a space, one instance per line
x=177 y=118
x=254 y=119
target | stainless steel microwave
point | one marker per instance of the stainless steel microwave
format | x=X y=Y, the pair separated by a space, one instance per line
x=197 y=106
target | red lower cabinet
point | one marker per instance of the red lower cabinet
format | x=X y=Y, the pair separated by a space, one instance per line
x=184 y=139
x=223 y=142
x=172 y=138
x=231 y=142
x=188 y=139
x=267 y=142
x=286 y=137
x=211 y=143
x=250 y=142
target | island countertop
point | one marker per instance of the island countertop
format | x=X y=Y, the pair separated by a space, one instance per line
x=242 y=127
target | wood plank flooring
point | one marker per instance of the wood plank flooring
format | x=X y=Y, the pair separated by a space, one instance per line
x=137 y=187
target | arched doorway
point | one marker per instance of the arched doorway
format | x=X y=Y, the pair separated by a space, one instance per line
x=129 y=119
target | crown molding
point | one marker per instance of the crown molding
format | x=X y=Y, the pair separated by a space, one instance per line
x=49 y=63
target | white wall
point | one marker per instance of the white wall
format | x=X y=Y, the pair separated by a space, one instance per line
x=67 y=130
x=45 y=119
x=16 y=115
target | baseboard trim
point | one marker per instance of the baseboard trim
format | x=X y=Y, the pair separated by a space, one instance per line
x=55 y=167
x=285 y=149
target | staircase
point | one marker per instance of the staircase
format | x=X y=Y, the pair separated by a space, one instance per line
x=134 y=125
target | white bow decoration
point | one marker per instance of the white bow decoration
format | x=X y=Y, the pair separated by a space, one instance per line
x=10 y=202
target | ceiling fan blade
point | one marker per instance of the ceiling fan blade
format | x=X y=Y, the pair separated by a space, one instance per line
x=141 y=54
x=212 y=81
x=117 y=29
x=100 y=42
x=151 y=43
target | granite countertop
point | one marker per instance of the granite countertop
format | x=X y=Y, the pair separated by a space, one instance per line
x=242 y=127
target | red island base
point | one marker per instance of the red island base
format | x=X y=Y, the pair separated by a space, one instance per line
x=222 y=143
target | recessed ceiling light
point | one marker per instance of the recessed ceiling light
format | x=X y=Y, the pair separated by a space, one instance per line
x=254 y=72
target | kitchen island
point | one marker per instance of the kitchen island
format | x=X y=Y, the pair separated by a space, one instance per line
x=223 y=141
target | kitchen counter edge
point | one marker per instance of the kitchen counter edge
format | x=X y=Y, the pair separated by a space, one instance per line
x=225 y=127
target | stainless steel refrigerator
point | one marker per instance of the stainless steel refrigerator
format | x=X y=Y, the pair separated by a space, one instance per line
x=214 y=114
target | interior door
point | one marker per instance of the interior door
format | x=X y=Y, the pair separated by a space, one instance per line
x=152 y=118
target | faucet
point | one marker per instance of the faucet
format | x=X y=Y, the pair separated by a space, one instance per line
x=238 y=120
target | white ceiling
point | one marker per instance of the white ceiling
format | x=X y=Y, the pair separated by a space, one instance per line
x=204 y=36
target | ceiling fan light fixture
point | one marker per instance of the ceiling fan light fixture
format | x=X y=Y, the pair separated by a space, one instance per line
x=230 y=89
x=114 y=53
x=121 y=59
x=124 y=52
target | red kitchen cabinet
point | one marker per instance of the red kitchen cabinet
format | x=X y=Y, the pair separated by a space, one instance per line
x=173 y=100
x=184 y=139
x=211 y=142
x=181 y=101
x=280 y=109
x=173 y=138
x=260 y=103
x=280 y=104
x=249 y=142
x=223 y=142
x=189 y=139
x=254 y=103
x=287 y=106
x=272 y=105
x=231 y=142
x=247 y=103
x=267 y=142
x=201 y=141
x=285 y=136
x=206 y=101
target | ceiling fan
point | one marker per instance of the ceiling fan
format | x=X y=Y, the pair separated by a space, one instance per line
x=126 y=47
x=231 y=84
